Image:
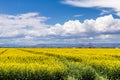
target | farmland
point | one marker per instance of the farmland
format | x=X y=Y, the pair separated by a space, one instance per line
x=59 y=64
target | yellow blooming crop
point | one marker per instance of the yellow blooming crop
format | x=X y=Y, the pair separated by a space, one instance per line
x=59 y=64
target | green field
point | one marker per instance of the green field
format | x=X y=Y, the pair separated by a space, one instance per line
x=59 y=64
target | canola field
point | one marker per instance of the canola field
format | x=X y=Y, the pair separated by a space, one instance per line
x=59 y=64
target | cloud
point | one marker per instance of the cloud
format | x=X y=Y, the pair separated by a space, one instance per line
x=77 y=15
x=22 y=24
x=100 y=29
x=31 y=29
x=105 y=24
x=21 y=28
x=104 y=12
x=110 y=4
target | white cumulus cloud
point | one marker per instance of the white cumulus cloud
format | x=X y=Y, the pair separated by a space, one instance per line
x=22 y=24
x=105 y=24
x=30 y=29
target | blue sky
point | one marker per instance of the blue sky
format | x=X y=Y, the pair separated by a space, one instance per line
x=58 y=12
x=32 y=22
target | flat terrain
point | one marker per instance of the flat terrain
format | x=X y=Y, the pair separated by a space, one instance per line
x=59 y=64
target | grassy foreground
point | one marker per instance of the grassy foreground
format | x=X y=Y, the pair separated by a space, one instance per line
x=59 y=64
